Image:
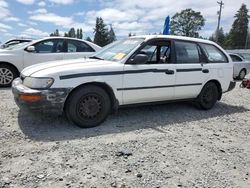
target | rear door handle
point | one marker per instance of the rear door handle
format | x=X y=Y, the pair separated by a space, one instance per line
x=169 y=72
x=205 y=71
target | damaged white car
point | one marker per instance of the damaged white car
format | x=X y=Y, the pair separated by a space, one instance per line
x=140 y=69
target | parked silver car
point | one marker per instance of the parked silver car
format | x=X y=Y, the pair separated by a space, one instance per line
x=241 y=66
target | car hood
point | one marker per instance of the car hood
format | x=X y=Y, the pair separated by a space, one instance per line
x=64 y=67
x=4 y=52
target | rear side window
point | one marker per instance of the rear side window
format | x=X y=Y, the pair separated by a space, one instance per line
x=186 y=52
x=214 y=55
x=235 y=58
x=78 y=46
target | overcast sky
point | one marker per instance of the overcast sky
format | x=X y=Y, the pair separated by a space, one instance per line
x=35 y=18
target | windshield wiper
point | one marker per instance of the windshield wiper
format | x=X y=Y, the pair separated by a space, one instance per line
x=95 y=57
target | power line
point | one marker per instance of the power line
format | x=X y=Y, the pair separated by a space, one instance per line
x=219 y=18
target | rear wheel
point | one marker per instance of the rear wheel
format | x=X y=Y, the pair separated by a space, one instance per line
x=7 y=75
x=208 y=96
x=88 y=106
x=242 y=74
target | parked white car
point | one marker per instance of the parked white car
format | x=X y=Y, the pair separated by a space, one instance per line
x=13 y=42
x=15 y=58
x=141 y=69
x=241 y=66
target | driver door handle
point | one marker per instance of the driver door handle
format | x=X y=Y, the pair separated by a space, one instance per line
x=169 y=72
x=205 y=71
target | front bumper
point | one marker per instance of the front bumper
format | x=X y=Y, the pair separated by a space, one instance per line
x=49 y=100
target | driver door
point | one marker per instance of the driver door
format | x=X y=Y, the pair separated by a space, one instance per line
x=151 y=81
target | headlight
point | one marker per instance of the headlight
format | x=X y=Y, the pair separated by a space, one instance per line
x=38 y=83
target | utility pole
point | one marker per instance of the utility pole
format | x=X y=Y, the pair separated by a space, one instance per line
x=219 y=17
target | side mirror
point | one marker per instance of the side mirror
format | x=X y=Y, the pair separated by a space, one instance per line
x=30 y=49
x=139 y=59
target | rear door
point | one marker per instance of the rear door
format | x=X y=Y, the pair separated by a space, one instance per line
x=77 y=49
x=190 y=71
x=47 y=50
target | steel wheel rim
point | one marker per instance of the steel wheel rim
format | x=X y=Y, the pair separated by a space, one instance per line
x=89 y=107
x=208 y=96
x=6 y=76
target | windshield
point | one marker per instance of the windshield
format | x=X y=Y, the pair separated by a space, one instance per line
x=118 y=50
x=17 y=46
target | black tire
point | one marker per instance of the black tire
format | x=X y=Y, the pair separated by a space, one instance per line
x=7 y=75
x=208 y=96
x=242 y=74
x=88 y=106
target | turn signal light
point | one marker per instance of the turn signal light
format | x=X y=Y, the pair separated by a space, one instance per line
x=30 y=98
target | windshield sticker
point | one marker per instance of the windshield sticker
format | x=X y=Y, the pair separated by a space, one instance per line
x=119 y=56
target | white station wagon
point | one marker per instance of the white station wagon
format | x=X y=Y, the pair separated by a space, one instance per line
x=15 y=58
x=141 y=69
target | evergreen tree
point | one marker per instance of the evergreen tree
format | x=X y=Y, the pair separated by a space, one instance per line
x=72 y=33
x=80 y=34
x=56 y=33
x=88 y=39
x=238 y=33
x=187 y=23
x=111 y=35
x=101 y=33
x=221 y=37
x=66 y=35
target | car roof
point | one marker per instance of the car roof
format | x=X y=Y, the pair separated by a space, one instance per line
x=70 y=38
x=148 y=37
x=18 y=39
x=59 y=37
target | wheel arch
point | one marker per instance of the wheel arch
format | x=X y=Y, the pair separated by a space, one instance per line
x=10 y=64
x=103 y=85
x=244 y=69
x=218 y=85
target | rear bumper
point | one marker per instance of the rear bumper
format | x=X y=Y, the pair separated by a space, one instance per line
x=49 y=100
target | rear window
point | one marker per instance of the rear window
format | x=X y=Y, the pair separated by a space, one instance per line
x=214 y=55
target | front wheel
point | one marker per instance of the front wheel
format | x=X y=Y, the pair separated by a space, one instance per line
x=88 y=106
x=208 y=96
x=7 y=75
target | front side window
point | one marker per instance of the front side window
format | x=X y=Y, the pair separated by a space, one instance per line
x=186 y=52
x=49 y=46
x=158 y=52
x=214 y=55
x=118 y=50
x=78 y=46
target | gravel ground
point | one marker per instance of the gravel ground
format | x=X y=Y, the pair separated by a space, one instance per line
x=171 y=145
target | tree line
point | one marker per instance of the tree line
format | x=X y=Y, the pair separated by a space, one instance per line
x=102 y=37
x=185 y=23
x=189 y=23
